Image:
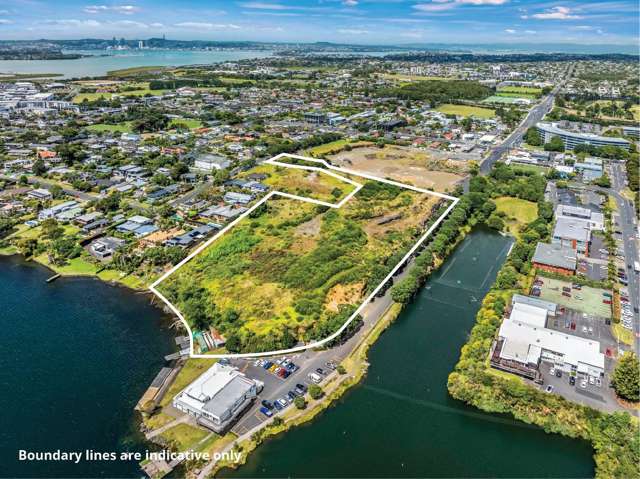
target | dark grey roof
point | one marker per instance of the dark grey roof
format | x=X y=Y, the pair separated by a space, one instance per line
x=555 y=255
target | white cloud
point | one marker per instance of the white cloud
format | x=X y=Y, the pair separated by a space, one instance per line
x=263 y=6
x=350 y=3
x=443 y=5
x=510 y=31
x=353 y=31
x=207 y=26
x=123 y=9
x=530 y=32
x=4 y=21
x=555 y=13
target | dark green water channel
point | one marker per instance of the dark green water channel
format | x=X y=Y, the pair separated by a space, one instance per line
x=400 y=422
x=77 y=355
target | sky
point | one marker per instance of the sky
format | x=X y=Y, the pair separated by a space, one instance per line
x=371 y=22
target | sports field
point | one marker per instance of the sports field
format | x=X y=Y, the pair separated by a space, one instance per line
x=465 y=110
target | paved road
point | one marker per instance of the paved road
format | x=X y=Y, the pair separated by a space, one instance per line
x=629 y=228
x=536 y=114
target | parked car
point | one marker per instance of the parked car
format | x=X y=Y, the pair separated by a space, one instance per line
x=283 y=402
x=549 y=388
x=572 y=380
x=320 y=371
x=558 y=373
x=564 y=293
x=267 y=404
x=301 y=387
x=266 y=412
x=267 y=365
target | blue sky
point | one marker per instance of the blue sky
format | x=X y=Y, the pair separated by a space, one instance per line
x=352 y=21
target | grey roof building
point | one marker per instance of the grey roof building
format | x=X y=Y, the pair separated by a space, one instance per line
x=555 y=256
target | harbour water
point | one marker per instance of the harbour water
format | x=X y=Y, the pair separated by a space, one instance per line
x=77 y=354
x=102 y=61
x=401 y=422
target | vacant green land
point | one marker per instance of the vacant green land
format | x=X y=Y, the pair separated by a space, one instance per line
x=294 y=271
x=124 y=127
x=189 y=122
x=521 y=90
x=465 y=110
x=519 y=212
x=336 y=146
x=79 y=98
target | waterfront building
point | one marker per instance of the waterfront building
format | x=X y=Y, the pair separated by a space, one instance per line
x=217 y=397
x=572 y=139
x=524 y=341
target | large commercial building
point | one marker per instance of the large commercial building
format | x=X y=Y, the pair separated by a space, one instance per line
x=572 y=139
x=524 y=341
x=573 y=233
x=555 y=258
x=594 y=220
x=217 y=397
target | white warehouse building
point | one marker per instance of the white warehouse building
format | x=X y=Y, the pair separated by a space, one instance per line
x=217 y=397
x=524 y=340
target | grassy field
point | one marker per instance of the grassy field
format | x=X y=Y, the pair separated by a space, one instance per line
x=335 y=146
x=465 y=110
x=80 y=97
x=124 y=127
x=533 y=168
x=190 y=122
x=522 y=90
x=501 y=99
x=294 y=271
x=184 y=436
x=411 y=78
x=135 y=70
x=191 y=370
x=519 y=212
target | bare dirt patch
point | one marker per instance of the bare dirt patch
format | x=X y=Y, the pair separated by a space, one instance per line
x=433 y=170
x=343 y=294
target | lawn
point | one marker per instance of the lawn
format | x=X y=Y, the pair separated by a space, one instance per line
x=80 y=97
x=189 y=122
x=519 y=212
x=522 y=90
x=295 y=271
x=124 y=127
x=501 y=99
x=465 y=110
x=185 y=437
x=532 y=168
x=411 y=78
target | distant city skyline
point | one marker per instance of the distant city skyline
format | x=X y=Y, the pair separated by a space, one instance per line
x=382 y=22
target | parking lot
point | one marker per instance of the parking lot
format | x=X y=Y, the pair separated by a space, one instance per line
x=592 y=301
x=278 y=388
x=590 y=391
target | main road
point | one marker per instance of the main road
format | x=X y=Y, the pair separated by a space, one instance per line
x=536 y=114
x=629 y=228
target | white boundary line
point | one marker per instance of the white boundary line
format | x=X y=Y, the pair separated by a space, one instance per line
x=326 y=170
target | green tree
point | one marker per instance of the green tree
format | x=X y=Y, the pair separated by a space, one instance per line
x=315 y=391
x=555 y=144
x=51 y=229
x=532 y=137
x=626 y=377
x=300 y=403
